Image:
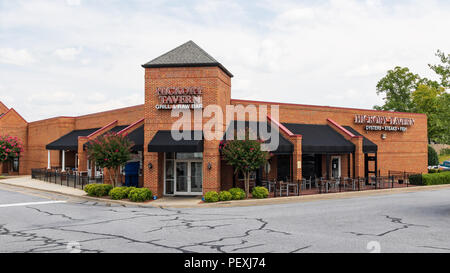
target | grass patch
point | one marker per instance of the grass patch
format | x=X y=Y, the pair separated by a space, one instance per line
x=442 y=158
x=2 y=177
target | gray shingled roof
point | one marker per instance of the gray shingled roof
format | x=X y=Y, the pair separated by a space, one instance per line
x=188 y=54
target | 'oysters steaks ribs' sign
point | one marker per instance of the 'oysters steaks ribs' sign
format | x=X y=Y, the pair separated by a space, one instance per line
x=380 y=123
x=179 y=97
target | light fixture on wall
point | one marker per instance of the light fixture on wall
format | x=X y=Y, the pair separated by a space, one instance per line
x=383 y=136
x=150 y=166
x=209 y=166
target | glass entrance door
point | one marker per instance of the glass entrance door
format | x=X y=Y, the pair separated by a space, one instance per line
x=182 y=177
x=196 y=177
x=335 y=167
x=189 y=177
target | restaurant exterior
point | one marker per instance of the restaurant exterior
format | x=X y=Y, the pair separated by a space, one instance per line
x=312 y=141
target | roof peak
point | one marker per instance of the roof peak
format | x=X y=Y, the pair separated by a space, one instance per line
x=188 y=54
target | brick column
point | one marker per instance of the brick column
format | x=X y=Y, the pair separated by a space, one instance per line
x=82 y=154
x=297 y=157
x=211 y=155
x=152 y=177
x=359 y=156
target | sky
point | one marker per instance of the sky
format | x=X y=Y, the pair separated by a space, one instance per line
x=75 y=57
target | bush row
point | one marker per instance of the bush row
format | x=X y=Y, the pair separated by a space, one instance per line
x=235 y=194
x=430 y=179
x=445 y=151
x=132 y=193
x=98 y=190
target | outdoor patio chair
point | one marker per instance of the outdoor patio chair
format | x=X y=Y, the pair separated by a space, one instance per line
x=294 y=187
x=283 y=187
x=304 y=183
x=334 y=184
x=269 y=185
x=308 y=183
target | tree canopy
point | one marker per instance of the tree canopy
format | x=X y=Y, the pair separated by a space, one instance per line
x=110 y=151
x=405 y=91
x=244 y=155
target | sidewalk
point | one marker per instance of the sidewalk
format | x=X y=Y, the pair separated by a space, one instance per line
x=27 y=182
x=195 y=202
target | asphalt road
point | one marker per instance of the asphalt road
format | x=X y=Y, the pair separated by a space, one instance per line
x=407 y=222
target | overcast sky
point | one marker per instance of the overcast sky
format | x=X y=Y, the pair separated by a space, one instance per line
x=74 y=57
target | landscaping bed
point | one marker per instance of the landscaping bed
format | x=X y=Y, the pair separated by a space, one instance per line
x=235 y=194
x=428 y=179
x=106 y=191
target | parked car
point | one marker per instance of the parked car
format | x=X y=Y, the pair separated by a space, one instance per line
x=433 y=167
x=445 y=166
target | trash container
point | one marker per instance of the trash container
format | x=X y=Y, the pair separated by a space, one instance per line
x=132 y=174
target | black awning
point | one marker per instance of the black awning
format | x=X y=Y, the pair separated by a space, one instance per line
x=368 y=145
x=137 y=137
x=320 y=139
x=70 y=140
x=164 y=142
x=284 y=145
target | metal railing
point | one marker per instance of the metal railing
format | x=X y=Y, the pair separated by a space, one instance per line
x=69 y=179
x=322 y=185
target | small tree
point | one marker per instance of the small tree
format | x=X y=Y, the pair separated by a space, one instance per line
x=110 y=151
x=245 y=156
x=10 y=148
x=433 y=158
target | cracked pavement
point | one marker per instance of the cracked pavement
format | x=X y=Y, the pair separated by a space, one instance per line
x=405 y=222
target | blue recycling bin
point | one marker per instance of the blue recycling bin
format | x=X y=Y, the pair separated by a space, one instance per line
x=132 y=174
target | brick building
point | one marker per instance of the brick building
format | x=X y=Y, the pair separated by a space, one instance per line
x=315 y=141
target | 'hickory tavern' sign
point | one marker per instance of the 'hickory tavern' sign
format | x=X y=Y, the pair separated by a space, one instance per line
x=179 y=97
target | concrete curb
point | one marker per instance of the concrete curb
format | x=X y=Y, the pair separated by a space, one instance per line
x=86 y=197
x=254 y=202
x=320 y=197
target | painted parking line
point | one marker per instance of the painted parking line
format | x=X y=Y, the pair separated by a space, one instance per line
x=30 y=204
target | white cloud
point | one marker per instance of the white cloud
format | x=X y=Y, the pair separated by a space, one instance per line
x=67 y=54
x=73 y=2
x=310 y=52
x=15 y=56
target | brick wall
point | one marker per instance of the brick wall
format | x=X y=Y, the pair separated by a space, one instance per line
x=216 y=90
x=12 y=124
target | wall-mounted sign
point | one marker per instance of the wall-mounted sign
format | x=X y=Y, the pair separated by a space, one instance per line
x=179 y=97
x=381 y=123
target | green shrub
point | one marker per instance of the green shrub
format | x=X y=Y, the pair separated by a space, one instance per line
x=140 y=195
x=87 y=188
x=436 y=178
x=433 y=158
x=260 y=192
x=225 y=196
x=431 y=179
x=416 y=179
x=445 y=151
x=211 y=196
x=237 y=193
x=120 y=192
x=98 y=190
